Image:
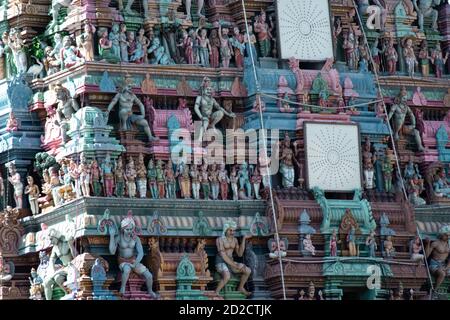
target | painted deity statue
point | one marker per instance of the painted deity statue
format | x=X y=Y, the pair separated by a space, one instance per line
x=69 y=54
x=151 y=176
x=387 y=169
x=32 y=190
x=15 y=43
x=438 y=253
x=119 y=177
x=333 y=244
x=108 y=175
x=224 y=181
x=244 y=179
x=123 y=43
x=16 y=181
x=130 y=253
x=417 y=250
x=187 y=47
x=227 y=244
x=389 y=249
x=63 y=251
x=75 y=177
x=86 y=42
x=399 y=111
x=141 y=176
x=214 y=41
x=256 y=180
x=135 y=50
x=237 y=42
x=12 y=124
x=425 y=10
x=424 y=58
x=105 y=47
x=287 y=163
x=184 y=180
x=126 y=99
x=204 y=49
x=234 y=182
x=67 y=106
x=114 y=37
x=263 y=34
x=85 y=175
x=375 y=51
x=308 y=246
x=351 y=242
x=144 y=42
x=410 y=56
x=170 y=180
x=160 y=179
x=371 y=244
x=350 y=49
x=439 y=60
x=214 y=180
x=204 y=177
x=195 y=175
x=441 y=186
x=368 y=165
x=130 y=178
x=204 y=107
x=160 y=56
x=391 y=57
x=226 y=51
x=95 y=179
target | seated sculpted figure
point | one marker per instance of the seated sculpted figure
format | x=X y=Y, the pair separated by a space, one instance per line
x=126 y=99
x=130 y=253
x=225 y=265
x=400 y=110
x=441 y=186
x=438 y=252
x=204 y=106
x=63 y=250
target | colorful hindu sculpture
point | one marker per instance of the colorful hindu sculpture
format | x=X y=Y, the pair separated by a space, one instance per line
x=130 y=253
x=409 y=55
x=227 y=244
x=63 y=251
x=371 y=244
x=119 y=176
x=438 y=251
x=130 y=178
x=107 y=168
x=204 y=108
x=400 y=110
x=32 y=191
x=16 y=181
x=126 y=99
x=287 y=162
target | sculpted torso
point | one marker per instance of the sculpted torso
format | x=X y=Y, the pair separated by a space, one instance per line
x=126 y=247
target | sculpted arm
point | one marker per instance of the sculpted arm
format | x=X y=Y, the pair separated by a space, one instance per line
x=240 y=248
x=113 y=240
x=430 y=249
x=221 y=250
x=139 y=250
x=113 y=102
x=198 y=102
x=413 y=117
x=140 y=104
x=391 y=112
x=75 y=104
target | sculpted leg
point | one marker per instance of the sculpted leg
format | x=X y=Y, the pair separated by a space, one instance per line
x=244 y=278
x=149 y=281
x=216 y=117
x=48 y=290
x=125 y=275
x=440 y=277
x=418 y=140
x=200 y=4
x=59 y=280
x=225 y=278
x=144 y=124
x=188 y=9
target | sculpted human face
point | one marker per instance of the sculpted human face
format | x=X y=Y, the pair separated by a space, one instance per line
x=30 y=180
x=230 y=232
x=208 y=91
x=128 y=231
x=66 y=42
x=53 y=240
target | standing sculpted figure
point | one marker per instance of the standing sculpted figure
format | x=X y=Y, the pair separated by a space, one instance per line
x=226 y=50
x=391 y=57
x=410 y=56
x=126 y=99
x=287 y=163
x=33 y=194
x=108 y=175
x=130 y=253
x=85 y=175
x=204 y=106
x=66 y=108
x=151 y=176
x=15 y=43
x=63 y=251
x=400 y=110
x=262 y=31
x=130 y=177
x=119 y=176
x=438 y=252
x=228 y=244
x=195 y=175
x=170 y=180
x=16 y=181
x=141 y=173
x=224 y=182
